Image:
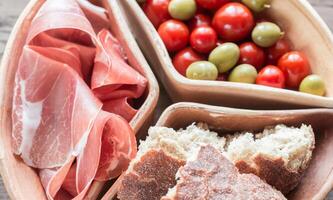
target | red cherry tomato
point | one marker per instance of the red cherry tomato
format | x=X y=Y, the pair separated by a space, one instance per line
x=212 y=4
x=275 y=52
x=199 y=20
x=157 y=11
x=203 y=39
x=271 y=76
x=251 y=54
x=184 y=58
x=295 y=67
x=174 y=34
x=233 y=22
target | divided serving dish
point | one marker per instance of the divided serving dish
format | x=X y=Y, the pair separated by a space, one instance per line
x=305 y=30
x=20 y=180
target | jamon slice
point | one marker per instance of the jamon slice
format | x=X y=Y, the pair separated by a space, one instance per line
x=95 y=14
x=55 y=15
x=118 y=147
x=212 y=176
x=69 y=184
x=110 y=147
x=85 y=54
x=51 y=178
x=53 y=111
x=67 y=56
x=120 y=107
x=62 y=24
x=112 y=77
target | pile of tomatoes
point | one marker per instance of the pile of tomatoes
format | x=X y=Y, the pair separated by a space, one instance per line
x=222 y=40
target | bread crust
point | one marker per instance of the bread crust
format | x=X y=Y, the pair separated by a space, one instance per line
x=274 y=172
x=213 y=176
x=151 y=177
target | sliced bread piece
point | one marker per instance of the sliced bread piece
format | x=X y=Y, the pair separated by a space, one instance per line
x=278 y=155
x=150 y=177
x=153 y=170
x=210 y=175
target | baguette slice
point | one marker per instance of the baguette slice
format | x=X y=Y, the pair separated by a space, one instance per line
x=212 y=176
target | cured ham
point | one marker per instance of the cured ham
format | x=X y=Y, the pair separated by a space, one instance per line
x=121 y=107
x=70 y=106
x=110 y=81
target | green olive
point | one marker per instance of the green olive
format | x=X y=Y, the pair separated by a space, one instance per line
x=225 y=56
x=313 y=84
x=202 y=70
x=182 y=9
x=257 y=5
x=243 y=73
x=266 y=34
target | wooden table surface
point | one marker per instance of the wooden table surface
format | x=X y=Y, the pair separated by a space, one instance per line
x=10 y=9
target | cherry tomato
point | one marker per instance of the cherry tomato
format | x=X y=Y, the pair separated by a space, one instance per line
x=157 y=11
x=251 y=54
x=211 y=4
x=233 y=22
x=199 y=20
x=174 y=34
x=275 y=52
x=271 y=76
x=295 y=67
x=203 y=39
x=184 y=58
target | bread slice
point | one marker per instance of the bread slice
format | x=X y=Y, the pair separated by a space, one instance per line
x=210 y=175
x=150 y=177
x=278 y=155
x=153 y=170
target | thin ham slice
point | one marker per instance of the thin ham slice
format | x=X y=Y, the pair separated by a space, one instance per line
x=67 y=56
x=61 y=14
x=51 y=178
x=86 y=54
x=95 y=14
x=50 y=99
x=117 y=150
x=59 y=126
x=112 y=77
x=120 y=107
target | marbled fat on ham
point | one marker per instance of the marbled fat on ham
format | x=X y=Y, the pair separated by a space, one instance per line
x=65 y=72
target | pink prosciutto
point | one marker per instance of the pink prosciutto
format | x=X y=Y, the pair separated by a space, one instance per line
x=64 y=74
x=112 y=77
